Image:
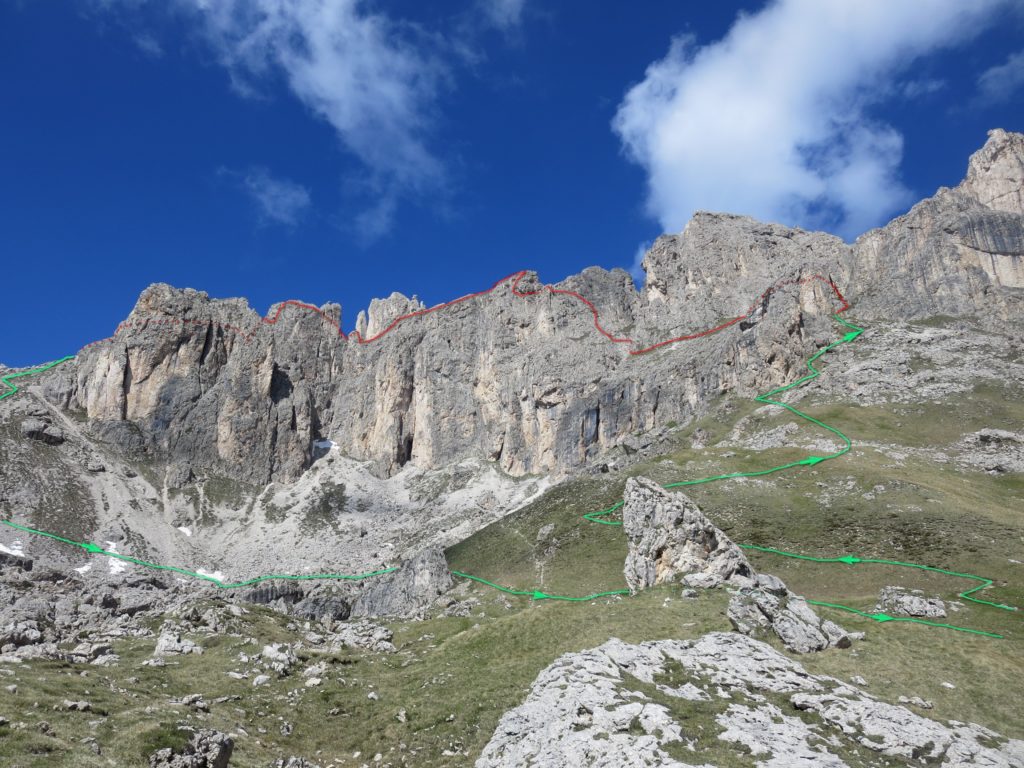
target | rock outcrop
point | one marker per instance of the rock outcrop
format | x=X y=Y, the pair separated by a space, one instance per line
x=896 y=601
x=205 y=749
x=587 y=709
x=671 y=540
x=415 y=585
x=769 y=607
x=43 y=431
x=996 y=451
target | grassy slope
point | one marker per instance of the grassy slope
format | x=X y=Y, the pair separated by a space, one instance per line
x=476 y=668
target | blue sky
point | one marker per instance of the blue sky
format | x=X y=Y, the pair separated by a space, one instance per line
x=340 y=151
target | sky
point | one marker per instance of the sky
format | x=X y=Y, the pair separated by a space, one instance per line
x=339 y=151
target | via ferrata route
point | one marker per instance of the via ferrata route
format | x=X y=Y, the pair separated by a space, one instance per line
x=852 y=332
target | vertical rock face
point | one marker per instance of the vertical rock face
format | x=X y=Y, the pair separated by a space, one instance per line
x=520 y=375
x=995 y=173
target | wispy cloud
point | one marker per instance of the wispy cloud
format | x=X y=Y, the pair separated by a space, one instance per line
x=374 y=79
x=774 y=119
x=278 y=200
x=503 y=14
x=915 y=89
x=149 y=45
x=998 y=84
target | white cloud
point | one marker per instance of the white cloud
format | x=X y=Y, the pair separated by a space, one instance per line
x=373 y=79
x=914 y=89
x=773 y=120
x=503 y=14
x=999 y=83
x=278 y=199
x=149 y=45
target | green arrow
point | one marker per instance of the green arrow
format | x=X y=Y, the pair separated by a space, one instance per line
x=852 y=335
x=88 y=547
x=538 y=595
x=851 y=559
x=812 y=460
x=880 y=617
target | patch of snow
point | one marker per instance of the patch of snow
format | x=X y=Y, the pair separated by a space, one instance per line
x=186 y=531
x=84 y=569
x=116 y=566
x=212 y=574
x=15 y=549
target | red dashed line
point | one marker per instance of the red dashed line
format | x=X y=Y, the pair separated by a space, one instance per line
x=515 y=278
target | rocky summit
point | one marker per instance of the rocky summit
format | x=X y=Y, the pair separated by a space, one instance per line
x=765 y=510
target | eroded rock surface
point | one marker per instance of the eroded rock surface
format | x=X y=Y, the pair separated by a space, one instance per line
x=769 y=607
x=414 y=586
x=587 y=709
x=897 y=601
x=670 y=540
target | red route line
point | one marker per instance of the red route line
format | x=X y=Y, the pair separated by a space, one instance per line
x=515 y=278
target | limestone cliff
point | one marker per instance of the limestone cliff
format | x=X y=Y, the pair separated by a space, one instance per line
x=521 y=376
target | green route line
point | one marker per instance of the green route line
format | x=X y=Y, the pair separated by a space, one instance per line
x=854 y=560
x=854 y=332
x=98 y=550
x=12 y=388
x=883 y=617
x=851 y=335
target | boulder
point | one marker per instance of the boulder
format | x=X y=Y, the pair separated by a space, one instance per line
x=172 y=643
x=205 y=749
x=671 y=540
x=279 y=657
x=37 y=429
x=770 y=608
x=899 y=602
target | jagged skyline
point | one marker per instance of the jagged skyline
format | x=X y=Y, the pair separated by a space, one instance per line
x=197 y=149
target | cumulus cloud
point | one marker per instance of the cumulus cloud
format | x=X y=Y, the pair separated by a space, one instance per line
x=774 y=120
x=279 y=200
x=997 y=84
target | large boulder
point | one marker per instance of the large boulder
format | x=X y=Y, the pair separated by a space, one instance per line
x=899 y=602
x=671 y=540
